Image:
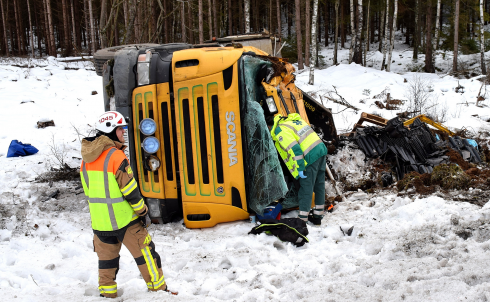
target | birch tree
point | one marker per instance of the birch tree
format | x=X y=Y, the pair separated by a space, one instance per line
x=92 y=27
x=246 y=8
x=336 y=38
x=313 y=43
x=438 y=17
x=201 y=30
x=456 y=31
x=102 y=22
x=385 y=34
x=353 y=31
x=392 y=40
x=482 y=40
x=299 y=43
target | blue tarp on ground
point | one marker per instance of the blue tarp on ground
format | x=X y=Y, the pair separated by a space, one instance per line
x=17 y=149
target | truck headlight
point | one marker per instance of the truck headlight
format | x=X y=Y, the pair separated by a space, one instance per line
x=148 y=126
x=153 y=207
x=151 y=144
x=271 y=104
x=153 y=163
x=144 y=68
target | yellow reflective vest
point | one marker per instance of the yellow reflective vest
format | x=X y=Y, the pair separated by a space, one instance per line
x=109 y=209
x=296 y=142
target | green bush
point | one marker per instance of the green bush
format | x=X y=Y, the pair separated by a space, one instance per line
x=469 y=46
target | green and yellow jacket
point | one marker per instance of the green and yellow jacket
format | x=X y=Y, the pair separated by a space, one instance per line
x=296 y=142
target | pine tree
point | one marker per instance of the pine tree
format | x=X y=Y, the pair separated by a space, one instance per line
x=298 y=35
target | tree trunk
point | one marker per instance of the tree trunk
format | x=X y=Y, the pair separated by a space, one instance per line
x=336 y=36
x=385 y=34
x=482 y=40
x=103 y=21
x=416 y=39
x=210 y=20
x=381 y=31
x=246 y=8
x=30 y=28
x=456 y=31
x=5 y=30
x=392 y=40
x=17 y=28
x=201 y=28
x=352 y=31
x=50 y=28
x=307 y=32
x=241 y=18
x=66 y=28
x=299 y=39
x=87 y=26
x=358 y=50
x=327 y=22
x=366 y=36
x=429 y=63
x=216 y=19
x=73 y=28
x=230 y=16
x=438 y=17
x=313 y=42
x=92 y=27
x=289 y=14
x=342 y=26
x=182 y=22
x=189 y=23
x=278 y=13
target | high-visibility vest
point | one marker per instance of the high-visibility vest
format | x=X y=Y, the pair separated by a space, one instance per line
x=108 y=208
x=294 y=140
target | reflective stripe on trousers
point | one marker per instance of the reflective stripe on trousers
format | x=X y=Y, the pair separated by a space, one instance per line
x=107 y=200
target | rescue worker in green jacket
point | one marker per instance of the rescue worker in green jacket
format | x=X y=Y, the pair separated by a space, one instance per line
x=304 y=154
x=117 y=209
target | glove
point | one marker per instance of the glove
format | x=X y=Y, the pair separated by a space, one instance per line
x=145 y=220
x=302 y=174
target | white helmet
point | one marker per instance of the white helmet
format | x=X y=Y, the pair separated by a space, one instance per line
x=108 y=121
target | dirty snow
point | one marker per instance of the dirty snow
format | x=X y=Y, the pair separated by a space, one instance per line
x=427 y=249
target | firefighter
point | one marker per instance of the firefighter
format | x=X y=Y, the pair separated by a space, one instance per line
x=118 y=212
x=304 y=154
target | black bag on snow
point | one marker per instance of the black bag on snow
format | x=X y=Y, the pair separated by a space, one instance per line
x=292 y=230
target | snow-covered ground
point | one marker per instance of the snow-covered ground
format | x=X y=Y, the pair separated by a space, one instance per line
x=401 y=249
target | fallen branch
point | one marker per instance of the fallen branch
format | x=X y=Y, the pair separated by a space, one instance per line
x=341 y=100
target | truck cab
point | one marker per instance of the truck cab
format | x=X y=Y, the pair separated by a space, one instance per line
x=198 y=139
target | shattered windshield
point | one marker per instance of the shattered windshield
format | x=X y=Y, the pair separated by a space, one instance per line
x=265 y=181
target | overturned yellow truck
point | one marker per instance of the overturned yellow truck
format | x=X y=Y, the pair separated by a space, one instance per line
x=198 y=135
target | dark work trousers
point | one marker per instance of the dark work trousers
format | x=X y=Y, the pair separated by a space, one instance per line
x=314 y=182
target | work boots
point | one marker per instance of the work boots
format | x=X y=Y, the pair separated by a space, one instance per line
x=315 y=219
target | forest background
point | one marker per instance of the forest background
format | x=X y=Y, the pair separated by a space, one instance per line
x=80 y=27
